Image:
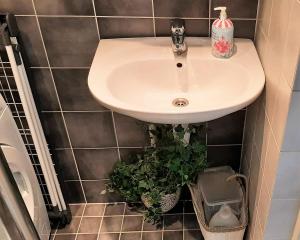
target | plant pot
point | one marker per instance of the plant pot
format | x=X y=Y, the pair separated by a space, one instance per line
x=167 y=202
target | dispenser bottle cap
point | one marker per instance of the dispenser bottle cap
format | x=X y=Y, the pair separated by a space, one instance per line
x=223 y=14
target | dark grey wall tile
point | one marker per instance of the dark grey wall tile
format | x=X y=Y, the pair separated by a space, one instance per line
x=226 y=130
x=194 y=28
x=43 y=89
x=244 y=28
x=90 y=130
x=64 y=7
x=126 y=153
x=94 y=192
x=33 y=44
x=54 y=129
x=65 y=164
x=70 y=42
x=179 y=8
x=94 y=164
x=123 y=8
x=131 y=132
x=20 y=7
x=125 y=27
x=236 y=8
x=74 y=192
x=224 y=155
x=73 y=90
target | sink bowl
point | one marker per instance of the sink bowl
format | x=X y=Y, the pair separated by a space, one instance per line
x=142 y=78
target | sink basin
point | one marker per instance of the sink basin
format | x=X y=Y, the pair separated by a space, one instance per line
x=142 y=78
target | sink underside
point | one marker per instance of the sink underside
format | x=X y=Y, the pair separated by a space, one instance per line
x=142 y=78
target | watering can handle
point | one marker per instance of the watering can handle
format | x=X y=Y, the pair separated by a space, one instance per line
x=245 y=182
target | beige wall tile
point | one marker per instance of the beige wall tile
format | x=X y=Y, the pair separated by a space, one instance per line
x=264 y=15
x=261 y=43
x=271 y=163
x=254 y=178
x=257 y=231
x=263 y=205
x=281 y=105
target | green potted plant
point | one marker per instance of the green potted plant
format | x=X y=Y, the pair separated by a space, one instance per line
x=157 y=175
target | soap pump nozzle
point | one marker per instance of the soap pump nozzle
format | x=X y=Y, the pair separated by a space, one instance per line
x=223 y=14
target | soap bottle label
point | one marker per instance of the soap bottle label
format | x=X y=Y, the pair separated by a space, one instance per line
x=222 y=41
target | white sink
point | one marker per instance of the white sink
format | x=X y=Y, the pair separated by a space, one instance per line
x=139 y=77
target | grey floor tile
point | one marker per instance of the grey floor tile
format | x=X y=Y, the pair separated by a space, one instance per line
x=190 y=221
x=65 y=237
x=72 y=227
x=173 y=222
x=90 y=225
x=94 y=210
x=114 y=209
x=132 y=223
x=193 y=235
x=131 y=236
x=111 y=224
x=152 y=236
x=173 y=235
x=87 y=237
x=109 y=236
x=76 y=209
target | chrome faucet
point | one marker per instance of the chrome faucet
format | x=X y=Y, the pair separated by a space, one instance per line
x=178 y=33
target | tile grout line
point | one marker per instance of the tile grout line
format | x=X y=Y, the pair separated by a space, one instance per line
x=153 y=18
x=256 y=19
x=122 y=221
x=209 y=18
x=116 y=134
x=142 y=223
x=99 y=230
x=58 y=99
x=95 y=15
x=140 y=147
x=54 y=233
x=243 y=138
x=137 y=17
x=75 y=111
x=80 y=221
x=147 y=231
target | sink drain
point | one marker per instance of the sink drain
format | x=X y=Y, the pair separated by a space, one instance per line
x=180 y=102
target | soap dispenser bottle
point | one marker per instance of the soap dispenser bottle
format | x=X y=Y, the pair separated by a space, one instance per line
x=222 y=35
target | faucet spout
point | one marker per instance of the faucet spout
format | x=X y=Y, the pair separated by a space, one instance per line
x=178 y=34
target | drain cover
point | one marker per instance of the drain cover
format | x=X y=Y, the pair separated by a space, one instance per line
x=180 y=102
